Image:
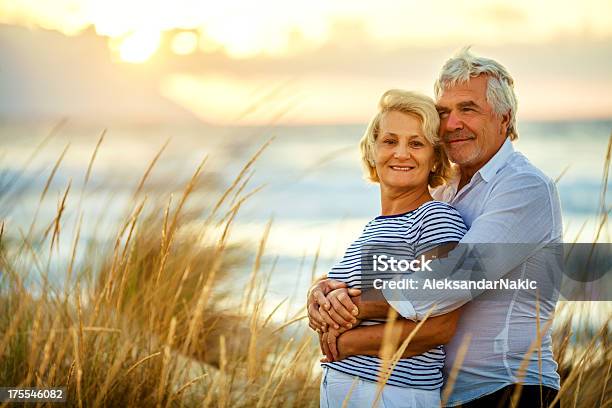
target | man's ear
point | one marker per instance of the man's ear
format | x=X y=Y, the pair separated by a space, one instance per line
x=505 y=123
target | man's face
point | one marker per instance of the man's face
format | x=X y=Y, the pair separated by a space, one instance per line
x=470 y=129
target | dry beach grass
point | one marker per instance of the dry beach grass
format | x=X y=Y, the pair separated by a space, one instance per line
x=145 y=321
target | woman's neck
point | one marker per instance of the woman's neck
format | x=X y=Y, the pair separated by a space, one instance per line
x=397 y=202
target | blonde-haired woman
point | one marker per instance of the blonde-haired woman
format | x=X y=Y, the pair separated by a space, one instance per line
x=401 y=152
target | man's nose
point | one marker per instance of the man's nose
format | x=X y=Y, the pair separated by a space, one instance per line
x=453 y=122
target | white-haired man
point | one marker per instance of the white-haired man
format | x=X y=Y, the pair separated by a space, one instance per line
x=503 y=199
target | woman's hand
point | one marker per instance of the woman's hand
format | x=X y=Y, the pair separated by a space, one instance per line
x=342 y=312
x=317 y=302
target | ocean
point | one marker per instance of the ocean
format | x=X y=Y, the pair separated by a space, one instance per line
x=311 y=179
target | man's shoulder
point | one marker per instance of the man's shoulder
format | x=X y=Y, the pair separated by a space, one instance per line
x=519 y=169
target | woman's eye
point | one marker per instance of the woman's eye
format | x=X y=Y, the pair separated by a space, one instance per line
x=389 y=141
x=416 y=144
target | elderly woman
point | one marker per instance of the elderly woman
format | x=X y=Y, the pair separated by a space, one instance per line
x=401 y=152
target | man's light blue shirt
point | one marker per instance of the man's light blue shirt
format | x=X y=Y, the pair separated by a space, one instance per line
x=507 y=201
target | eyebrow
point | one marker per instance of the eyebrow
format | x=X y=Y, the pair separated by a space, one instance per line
x=468 y=104
x=465 y=104
x=396 y=135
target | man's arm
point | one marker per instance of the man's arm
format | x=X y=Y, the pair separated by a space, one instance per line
x=341 y=313
x=521 y=211
x=367 y=340
x=376 y=305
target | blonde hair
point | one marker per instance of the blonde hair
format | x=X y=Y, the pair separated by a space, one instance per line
x=412 y=103
x=500 y=85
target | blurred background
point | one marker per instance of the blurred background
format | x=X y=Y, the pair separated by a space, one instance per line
x=218 y=79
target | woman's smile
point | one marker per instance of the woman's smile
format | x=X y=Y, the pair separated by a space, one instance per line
x=402 y=168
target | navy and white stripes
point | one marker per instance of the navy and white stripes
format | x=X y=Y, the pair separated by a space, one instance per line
x=412 y=233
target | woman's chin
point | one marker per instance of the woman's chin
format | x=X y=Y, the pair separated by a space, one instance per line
x=406 y=183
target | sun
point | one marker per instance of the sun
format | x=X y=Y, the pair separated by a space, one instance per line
x=138 y=46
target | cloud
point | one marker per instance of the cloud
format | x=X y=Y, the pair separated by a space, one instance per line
x=46 y=73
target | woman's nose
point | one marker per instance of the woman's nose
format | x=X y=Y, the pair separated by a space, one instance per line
x=402 y=151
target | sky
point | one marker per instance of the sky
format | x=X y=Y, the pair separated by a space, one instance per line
x=322 y=61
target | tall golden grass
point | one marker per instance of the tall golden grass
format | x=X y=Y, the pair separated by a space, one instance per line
x=145 y=321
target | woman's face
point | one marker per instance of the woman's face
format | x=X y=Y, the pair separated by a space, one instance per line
x=404 y=158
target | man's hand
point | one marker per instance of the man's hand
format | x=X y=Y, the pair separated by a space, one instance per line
x=343 y=310
x=329 y=346
x=324 y=347
x=317 y=300
x=329 y=343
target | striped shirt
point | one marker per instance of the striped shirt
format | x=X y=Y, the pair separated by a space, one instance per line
x=416 y=232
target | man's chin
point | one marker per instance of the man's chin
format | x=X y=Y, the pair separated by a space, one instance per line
x=461 y=158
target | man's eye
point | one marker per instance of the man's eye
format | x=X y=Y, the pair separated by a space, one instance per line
x=443 y=114
x=467 y=109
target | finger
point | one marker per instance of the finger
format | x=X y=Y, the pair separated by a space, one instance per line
x=334 y=284
x=320 y=286
x=339 y=320
x=328 y=319
x=354 y=292
x=339 y=304
x=348 y=303
x=331 y=344
x=325 y=347
x=324 y=360
x=322 y=301
x=314 y=315
x=314 y=326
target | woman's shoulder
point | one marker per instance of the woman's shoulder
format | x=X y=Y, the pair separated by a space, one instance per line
x=436 y=207
x=437 y=223
x=437 y=213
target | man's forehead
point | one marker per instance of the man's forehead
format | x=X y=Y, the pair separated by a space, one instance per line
x=472 y=90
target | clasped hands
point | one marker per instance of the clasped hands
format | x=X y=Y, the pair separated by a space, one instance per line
x=331 y=312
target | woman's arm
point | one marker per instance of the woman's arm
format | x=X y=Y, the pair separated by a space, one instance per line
x=368 y=340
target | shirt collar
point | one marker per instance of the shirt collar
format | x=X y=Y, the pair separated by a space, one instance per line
x=498 y=161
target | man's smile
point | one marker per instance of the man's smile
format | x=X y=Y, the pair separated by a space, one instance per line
x=455 y=141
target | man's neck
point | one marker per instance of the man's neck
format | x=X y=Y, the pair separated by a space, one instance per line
x=466 y=176
x=467 y=172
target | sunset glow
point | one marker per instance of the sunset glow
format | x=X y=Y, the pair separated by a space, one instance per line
x=275 y=27
x=139 y=46
x=185 y=43
x=212 y=59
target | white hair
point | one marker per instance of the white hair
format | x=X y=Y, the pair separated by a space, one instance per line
x=500 y=85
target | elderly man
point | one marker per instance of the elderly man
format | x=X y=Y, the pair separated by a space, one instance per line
x=503 y=199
